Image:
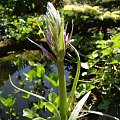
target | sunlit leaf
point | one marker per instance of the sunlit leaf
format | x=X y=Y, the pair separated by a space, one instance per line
x=9 y=101
x=30 y=76
x=39 y=118
x=40 y=71
x=26 y=95
x=30 y=113
x=39 y=105
x=84 y=88
x=49 y=106
x=51 y=97
x=107 y=51
x=31 y=63
x=78 y=107
x=53 y=79
x=112 y=61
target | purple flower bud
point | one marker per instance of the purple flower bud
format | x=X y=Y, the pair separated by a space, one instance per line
x=66 y=37
x=67 y=42
x=49 y=37
x=46 y=53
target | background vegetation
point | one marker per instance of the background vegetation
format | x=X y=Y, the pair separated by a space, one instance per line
x=97 y=38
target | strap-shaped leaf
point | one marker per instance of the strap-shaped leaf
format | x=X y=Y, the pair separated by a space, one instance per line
x=100 y=113
x=78 y=107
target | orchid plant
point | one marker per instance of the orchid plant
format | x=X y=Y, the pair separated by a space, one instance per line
x=58 y=41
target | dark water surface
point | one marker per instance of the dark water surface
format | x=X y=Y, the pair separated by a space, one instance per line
x=8 y=68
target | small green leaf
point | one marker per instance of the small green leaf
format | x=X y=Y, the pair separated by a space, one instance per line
x=30 y=76
x=112 y=61
x=51 y=97
x=106 y=51
x=31 y=63
x=104 y=105
x=22 y=82
x=84 y=88
x=30 y=113
x=40 y=71
x=57 y=101
x=40 y=104
x=9 y=101
x=53 y=79
x=101 y=42
x=91 y=71
x=49 y=106
x=116 y=45
x=26 y=95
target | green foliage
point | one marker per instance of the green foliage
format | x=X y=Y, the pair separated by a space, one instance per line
x=53 y=78
x=8 y=102
x=104 y=105
x=53 y=98
x=30 y=113
x=104 y=66
x=83 y=88
x=103 y=62
x=86 y=12
x=36 y=71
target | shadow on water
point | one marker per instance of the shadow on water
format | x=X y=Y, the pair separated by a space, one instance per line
x=6 y=68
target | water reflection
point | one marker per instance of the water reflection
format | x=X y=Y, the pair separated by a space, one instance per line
x=42 y=88
x=6 y=68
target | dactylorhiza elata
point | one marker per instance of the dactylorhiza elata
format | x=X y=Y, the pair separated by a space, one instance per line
x=55 y=34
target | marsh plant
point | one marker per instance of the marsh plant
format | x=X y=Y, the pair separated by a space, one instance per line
x=58 y=40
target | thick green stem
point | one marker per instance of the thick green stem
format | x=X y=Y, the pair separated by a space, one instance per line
x=62 y=85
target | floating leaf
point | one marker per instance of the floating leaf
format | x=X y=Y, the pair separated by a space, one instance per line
x=40 y=71
x=53 y=79
x=30 y=113
x=9 y=101
x=26 y=95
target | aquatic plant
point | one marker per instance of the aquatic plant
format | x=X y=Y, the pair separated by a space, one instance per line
x=58 y=41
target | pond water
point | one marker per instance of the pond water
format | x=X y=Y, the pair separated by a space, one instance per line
x=8 y=68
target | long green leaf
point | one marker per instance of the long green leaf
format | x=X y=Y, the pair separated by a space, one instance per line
x=78 y=107
x=38 y=96
x=100 y=113
x=70 y=99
